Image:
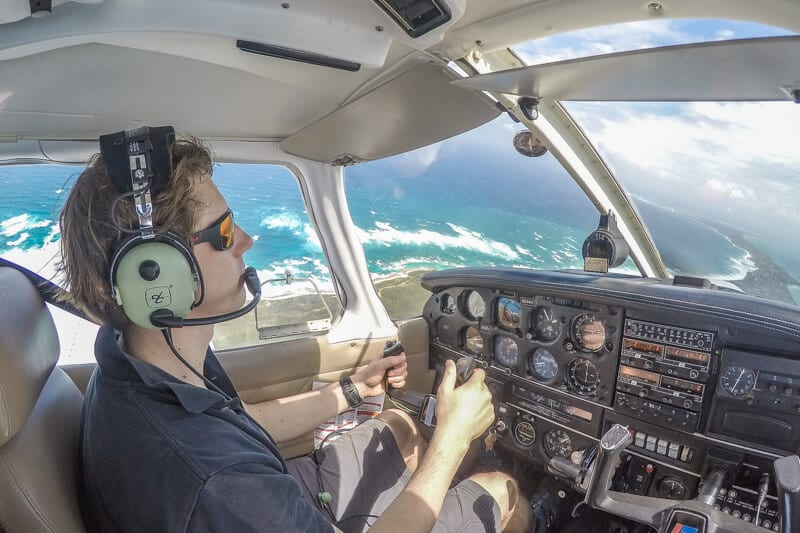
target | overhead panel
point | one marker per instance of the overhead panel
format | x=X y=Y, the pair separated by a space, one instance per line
x=765 y=69
x=414 y=109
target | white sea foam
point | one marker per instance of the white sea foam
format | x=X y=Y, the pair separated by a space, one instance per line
x=21 y=223
x=311 y=236
x=22 y=237
x=385 y=235
x=282 y=219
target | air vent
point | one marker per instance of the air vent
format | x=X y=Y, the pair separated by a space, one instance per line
x=416 y=17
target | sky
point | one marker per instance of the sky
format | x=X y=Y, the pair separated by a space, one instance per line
x=730 y=162
x=733 y=164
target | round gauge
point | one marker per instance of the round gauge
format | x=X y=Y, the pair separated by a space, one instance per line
x=583 y=376
x=546 y=325
x=474 y=307
x=542 y=364
x=557 y=442
x=473 y=342
x=672 y=488
x=524 y=432
x=738 y=380
x=508 y=314
x=588 y=333
x=506 y=351
x=448 y=304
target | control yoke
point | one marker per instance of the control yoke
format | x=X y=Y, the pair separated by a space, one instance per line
x=665 y=515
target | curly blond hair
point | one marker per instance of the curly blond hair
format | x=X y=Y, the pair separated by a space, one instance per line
x=89 y=235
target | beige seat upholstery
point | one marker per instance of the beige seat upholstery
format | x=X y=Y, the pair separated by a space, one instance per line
x=39 y=417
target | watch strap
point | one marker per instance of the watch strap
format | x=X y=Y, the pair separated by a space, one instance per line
x=351 y=394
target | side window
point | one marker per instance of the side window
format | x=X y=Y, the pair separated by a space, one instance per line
x=266 y=202
x=297 y=294
x=29 y=236
x=471 y=200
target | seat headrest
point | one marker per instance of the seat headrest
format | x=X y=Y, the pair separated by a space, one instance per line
x=29 y=350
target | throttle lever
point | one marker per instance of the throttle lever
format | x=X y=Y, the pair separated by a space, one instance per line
x=787 y=480
x=464 y=368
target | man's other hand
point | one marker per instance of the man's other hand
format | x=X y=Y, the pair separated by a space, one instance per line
x=463 y=413
x=371 y=379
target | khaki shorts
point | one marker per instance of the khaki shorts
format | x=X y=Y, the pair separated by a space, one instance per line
x=364 y=472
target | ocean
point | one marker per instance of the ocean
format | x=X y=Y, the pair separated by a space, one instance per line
x=452 y=214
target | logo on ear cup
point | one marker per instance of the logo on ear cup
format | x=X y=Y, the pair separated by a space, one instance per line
x=158 y=297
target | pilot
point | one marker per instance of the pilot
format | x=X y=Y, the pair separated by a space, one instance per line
x=169 y=446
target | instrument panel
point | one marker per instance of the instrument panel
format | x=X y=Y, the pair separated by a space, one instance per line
x=563 y=344
x=697 y=375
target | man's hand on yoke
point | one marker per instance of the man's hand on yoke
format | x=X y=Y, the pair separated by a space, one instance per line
x=465 y=412
x=373 y=378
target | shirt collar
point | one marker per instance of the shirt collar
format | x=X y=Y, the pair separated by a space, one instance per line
x=115 y=363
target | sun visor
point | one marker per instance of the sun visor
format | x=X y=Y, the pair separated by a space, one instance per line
x=414 y=109
x=764 y=69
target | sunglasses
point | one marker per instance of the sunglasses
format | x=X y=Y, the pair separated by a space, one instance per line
x=219 y=234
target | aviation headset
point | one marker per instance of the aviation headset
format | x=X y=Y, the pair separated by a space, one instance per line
x=154 y=276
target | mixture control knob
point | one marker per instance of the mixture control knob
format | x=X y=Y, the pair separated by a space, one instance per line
x=500 y=426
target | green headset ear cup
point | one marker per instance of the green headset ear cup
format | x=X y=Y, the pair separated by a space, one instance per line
x=173 y=288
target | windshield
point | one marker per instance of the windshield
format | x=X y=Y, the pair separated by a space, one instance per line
x=713 y=182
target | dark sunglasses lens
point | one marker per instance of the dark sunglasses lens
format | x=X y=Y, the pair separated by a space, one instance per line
x=226 y=231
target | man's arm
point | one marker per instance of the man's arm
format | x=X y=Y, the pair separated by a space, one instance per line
x=463 y=414
x=290 y=417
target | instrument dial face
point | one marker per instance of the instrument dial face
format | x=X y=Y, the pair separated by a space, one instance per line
x=557 y=442
x=672 y=488
x=542 y=364
x=448 y=304
x=474 y=306
x=506 y=351
x=473 y=342
x=508 y=314
x=738 y=380
x=524 y=432
x=588 y=333
x=546 y=324
x=583 y=376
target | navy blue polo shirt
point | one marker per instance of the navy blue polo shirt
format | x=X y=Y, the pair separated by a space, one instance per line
x=163 y=455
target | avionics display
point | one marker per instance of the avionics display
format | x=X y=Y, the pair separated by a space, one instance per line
x=681 y=385
x=688 y=356
x=638 y=375
x=643 y=346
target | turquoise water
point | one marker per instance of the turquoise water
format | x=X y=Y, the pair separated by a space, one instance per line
x=427 y=221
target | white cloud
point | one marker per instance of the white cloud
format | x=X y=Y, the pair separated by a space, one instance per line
x=605 y=40
x=733 y=161
x=725 y=34
x=421 y=159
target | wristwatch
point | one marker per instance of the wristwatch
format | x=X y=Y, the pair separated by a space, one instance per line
x=354 y=399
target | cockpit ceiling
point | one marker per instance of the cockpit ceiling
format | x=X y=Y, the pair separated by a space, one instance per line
x=83 y=91
x=94 y=66
x=766 y=69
